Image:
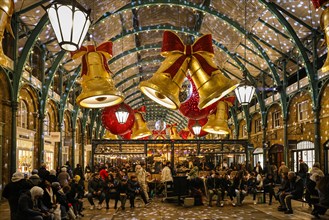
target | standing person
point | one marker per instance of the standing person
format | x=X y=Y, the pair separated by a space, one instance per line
x=63 y=177
x=87 y=172
x=275 y=172
x=13 y=190
x=52 y=176
x=303 y=169
x=166 y=175
x=282 y=169
x=43 y=172
x=141 y=177
x=258 y=168
x=95 y=190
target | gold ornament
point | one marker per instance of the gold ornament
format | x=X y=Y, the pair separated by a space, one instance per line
x=98 y=90
x=140 y=129
x=6 y=11
x=324 y=23
x=108 y=135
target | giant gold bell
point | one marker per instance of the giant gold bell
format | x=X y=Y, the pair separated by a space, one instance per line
x=173 y=133
x=217 y=123
x=6 y=11
x=324 y=23
x=109 y=136
x=212 y=87
x=98 y=90
x=140 y=129
x=162 y=87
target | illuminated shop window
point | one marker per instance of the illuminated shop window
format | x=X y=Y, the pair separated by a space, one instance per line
x=244 y=131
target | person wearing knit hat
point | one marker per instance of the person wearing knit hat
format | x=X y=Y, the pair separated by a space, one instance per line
x=13 y=190
x=77 y=178
x=17 y=176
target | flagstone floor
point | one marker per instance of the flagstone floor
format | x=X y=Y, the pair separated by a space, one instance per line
x=159 y=210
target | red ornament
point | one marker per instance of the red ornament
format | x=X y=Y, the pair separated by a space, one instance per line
x=111 y=123
x=202 y=122
x=190 y=108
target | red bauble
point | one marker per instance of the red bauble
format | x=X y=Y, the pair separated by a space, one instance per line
x=190 y=108
x=202 y=122
x=111 y=123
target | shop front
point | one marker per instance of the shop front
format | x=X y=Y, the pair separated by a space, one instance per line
x=258 y=156
x=49 y=148
x=302 y=150
x=25 y=150
x=87 y=154
x=275 y=155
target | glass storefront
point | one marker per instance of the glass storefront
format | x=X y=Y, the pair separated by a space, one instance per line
x=49 y=155
x=304 y=151
x=258 y=156
x=25 y=158
x=65 y=154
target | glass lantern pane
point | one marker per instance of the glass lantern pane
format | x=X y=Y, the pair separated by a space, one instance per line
x=65 y=20
x=54 y=23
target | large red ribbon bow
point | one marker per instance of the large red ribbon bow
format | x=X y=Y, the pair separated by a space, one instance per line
x=172 y=44
x=105 y=49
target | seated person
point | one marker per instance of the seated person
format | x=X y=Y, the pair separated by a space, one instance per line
x=76 y=194
x=322 y=184
x=95 y=190
x=295 y=191
x=122 y=191
x=197 y=187
x=134 y=189
x=239 y=187
x=225 y=185
x=253 y=187
x=213 y=187
x=268 y=185
x=27 y=205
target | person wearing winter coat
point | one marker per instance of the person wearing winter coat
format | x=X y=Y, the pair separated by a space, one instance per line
x=122 y=191
x=43 y=172
x=34 y=179
x=13 y=190
x=95 y=190
x=268 y=185
x=75 y=196
x=322 y=185
x=27 y=205
x=63 y=177
x=135 y=189
x=295 y=191
x=141 y=177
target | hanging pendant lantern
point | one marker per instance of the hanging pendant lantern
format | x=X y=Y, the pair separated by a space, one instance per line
x=196 y=128
x=122 y=114
x=244 y=92
x=70 y=22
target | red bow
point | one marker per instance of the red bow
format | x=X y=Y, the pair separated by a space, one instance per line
x=184 y=134
x=319 y=3
x=106 y=52
x=172 y=44
x=141 y=109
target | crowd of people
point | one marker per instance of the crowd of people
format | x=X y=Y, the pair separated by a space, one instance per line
x=59 y=194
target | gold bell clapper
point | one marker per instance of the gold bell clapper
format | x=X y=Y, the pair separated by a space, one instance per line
x=217 y=123
x=109 y=136
x=164 y=86
x=174 y=133
x=140 y=129
x=7 y=8
x=324 y=24
x=98 y=90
